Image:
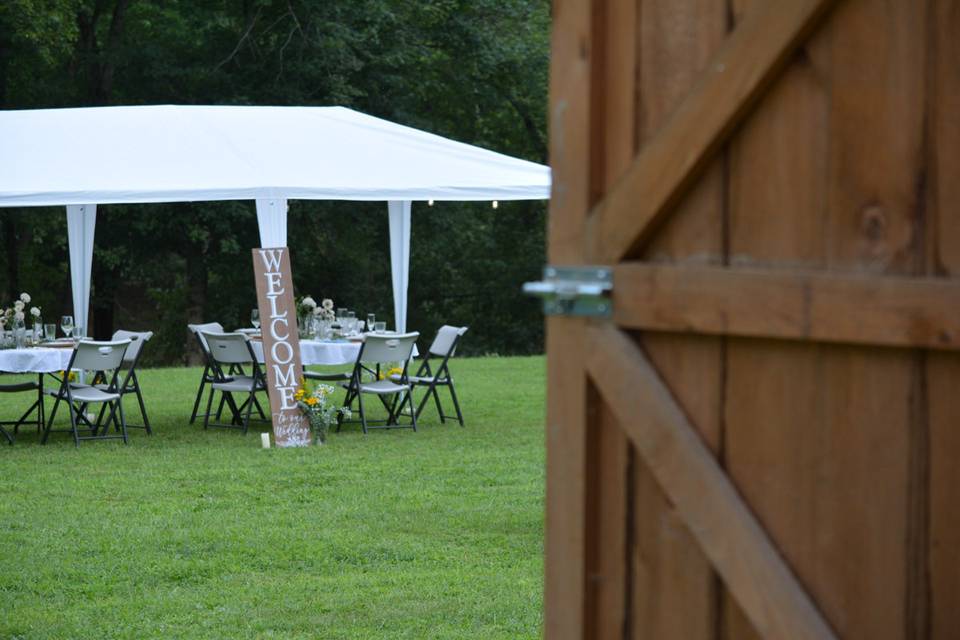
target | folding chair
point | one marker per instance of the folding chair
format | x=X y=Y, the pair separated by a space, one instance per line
x=444 y=346
x=37 y=406
x=93 y=356
x=226 y=351
x=377 y=350
x=130 y=383
x=207 y=376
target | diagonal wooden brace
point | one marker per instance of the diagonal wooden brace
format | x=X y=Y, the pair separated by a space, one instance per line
x=725 y=93
x=729 y=534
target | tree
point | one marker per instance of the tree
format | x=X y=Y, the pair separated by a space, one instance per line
x=472 y=70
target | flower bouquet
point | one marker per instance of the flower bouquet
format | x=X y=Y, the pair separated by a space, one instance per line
x=317 y=406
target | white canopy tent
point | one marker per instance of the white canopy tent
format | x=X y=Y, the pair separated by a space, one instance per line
x=107 y=155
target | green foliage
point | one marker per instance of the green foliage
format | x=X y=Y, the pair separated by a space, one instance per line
x=474 y=70
x=201 y=534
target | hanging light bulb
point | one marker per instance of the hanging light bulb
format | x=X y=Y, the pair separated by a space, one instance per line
x=429 y=203
x=495 y=204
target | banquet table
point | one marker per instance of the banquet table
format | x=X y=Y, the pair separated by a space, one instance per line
x=322 y=352
x=34 y=360
x=38 y=360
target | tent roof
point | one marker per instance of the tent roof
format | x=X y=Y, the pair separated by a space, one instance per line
x=172 y=153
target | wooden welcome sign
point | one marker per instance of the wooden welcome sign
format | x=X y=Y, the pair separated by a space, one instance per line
x=281 y=345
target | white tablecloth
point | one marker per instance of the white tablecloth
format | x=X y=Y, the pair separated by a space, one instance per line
x=319 y=352
x=34 y=360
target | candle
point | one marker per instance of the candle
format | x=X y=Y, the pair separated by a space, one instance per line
x=265 y=440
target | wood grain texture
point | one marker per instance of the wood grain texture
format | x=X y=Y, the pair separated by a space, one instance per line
x=608 y=450
x=689 y=474
x=825 y=442
x=789 y=304
x=671 y=576
x=675 y=588
x=943 y=370
x=566 y=524
x=608 y=458
x=723 y=95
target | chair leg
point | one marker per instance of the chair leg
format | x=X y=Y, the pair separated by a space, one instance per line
x=263 y=416
x=206 y=418
x=456 y=405
x=348 y=403
x=100 y=422
x=246 y=419
x=53 y=414
x=436 y=401
x=413 y=414
x=236 y=413
x=143 y=411
x=123 y=421
x=196 y=403
x=6 y=435
x=223 y=401
x=73 y=424
x=363 y=417
x=423 y=401
x=40 y=416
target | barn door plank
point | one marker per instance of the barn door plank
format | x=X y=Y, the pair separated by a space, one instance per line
x=825 y=442
x=671 y=575
x=723 y=95
x=608 y=450
x=943 y=370
x=687 y=471
x=570 y=143
x=789 y=303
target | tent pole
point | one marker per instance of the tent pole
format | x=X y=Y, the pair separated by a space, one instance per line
x=81 y=223
x=399 y=211
x=272 y=219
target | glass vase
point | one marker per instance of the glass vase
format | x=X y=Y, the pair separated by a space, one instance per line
x=20 y=334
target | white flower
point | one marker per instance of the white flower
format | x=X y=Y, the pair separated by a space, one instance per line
x=309 y=302
x=35 y=312
x=318 y=311
x=327 y=304
x=18 y=305
x=25 y=298
x=18 y=316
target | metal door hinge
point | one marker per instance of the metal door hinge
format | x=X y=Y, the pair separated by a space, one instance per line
x=574 y=291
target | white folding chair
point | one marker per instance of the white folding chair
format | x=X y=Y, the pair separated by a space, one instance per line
x=92 y=356
x=444 y=346
x=207 y=376
x=228 y=350
x=129 y=382
x=365 y=379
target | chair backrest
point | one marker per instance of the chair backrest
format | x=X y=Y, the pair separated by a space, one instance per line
x=228 y=348
x=209 y=327
x=446 y=341
x=395 y=348
x=136 y=338
x=98 y=356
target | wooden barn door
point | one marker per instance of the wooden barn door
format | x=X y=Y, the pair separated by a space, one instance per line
x=764 y=438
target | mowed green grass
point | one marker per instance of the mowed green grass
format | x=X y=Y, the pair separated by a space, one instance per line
x=202 y=534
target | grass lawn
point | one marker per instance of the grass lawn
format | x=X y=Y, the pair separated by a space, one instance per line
x=201 y=534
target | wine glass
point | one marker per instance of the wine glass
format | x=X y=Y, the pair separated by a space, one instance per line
x=66 y=323
x=371 y=320
x=352 y=321
x=255 y=318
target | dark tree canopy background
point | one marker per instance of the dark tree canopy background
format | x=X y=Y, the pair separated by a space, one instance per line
x=472 y=70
